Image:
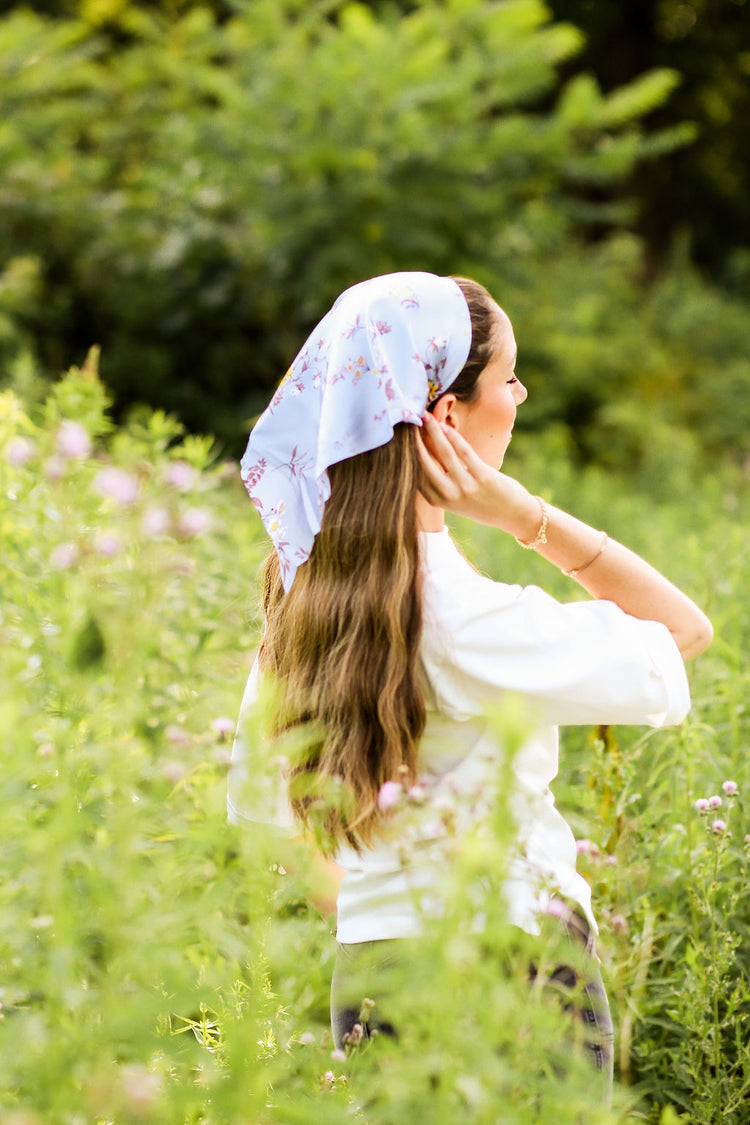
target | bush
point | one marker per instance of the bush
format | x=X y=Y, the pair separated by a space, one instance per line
x=194 y=192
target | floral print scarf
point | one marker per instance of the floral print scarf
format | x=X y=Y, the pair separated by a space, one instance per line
x=386 y=349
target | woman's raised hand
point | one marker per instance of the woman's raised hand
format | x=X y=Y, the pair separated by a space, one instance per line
x=456 y=478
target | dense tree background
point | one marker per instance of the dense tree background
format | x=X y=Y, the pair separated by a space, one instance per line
x=702 y=189
x=190 y=185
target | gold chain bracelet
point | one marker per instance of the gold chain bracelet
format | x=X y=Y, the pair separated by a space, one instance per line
x=579 y=570
x=541 y=535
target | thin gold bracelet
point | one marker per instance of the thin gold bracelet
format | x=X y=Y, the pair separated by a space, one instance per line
x=541 y=535
x=579 y=570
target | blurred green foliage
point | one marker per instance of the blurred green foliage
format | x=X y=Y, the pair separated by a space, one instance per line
x=699 y=191
x=190 y=187
x=155 y=965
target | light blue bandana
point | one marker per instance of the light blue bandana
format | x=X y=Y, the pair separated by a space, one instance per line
x=386 y=349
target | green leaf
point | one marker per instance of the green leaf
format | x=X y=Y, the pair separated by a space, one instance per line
x=639 y=97
x=89 y=647
x=579 y=101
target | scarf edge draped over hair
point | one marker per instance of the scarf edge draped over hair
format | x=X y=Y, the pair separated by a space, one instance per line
x=386 y=349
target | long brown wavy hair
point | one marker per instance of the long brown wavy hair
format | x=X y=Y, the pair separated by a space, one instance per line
x=343 y=643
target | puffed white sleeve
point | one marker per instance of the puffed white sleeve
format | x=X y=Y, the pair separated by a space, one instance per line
x=583 y=662
x=256 y=787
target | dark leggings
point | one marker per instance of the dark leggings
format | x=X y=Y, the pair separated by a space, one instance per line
x=359 y=967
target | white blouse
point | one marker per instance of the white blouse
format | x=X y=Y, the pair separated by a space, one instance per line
x=485 y=642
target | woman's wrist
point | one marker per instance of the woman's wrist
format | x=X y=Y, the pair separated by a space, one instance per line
x=568 y=543
x=576 y=570
x=541 y=534
x=520 y=513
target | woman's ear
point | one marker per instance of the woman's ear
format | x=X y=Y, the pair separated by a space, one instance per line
x=443 y=408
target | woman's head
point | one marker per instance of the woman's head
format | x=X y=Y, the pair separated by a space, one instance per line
x=385 y=348
x=343 y=640
x=483 y=313
x=482 y=401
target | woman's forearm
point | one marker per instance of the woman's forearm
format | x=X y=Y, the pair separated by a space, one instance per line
x=617 y=574
x=457 y=479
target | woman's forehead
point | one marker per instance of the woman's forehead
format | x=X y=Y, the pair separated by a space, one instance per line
x=504 y=339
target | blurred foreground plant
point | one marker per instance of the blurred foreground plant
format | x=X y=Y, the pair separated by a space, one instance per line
x=156 y=965
x=122 y=629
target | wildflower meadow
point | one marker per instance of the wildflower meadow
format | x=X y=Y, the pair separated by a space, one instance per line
x=156 y=963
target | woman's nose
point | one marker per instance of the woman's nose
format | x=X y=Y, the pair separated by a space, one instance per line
x=521 y=393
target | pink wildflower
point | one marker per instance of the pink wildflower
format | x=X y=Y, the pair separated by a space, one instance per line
x=54 y=468
x=20 y=450
x=194 y=521
x=155 y=522
x=619 y=923
x=140 y=1088
x=173 y=772
x=389 y=795
x=64 y=556
x=718 y=827
x=338 y=1056
x=121 y=486
x=730 y=788
x=714 y=802
x=107 y=545
x=73 y=440
x=177 y=735
x=307 y=1038
x=587 y=847
x=222 y=726
x=180 y=475
x=702 y=805
x=355 y=1036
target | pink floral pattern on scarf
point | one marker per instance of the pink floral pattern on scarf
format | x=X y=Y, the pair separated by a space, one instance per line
x=387 y=348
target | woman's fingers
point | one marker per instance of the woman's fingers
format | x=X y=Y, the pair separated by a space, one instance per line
x=434 y=475
x=461 y=449
x=456 y=478
x=446 y=444
x=450 y=441
x=454 y=453
x=439 y=459
x=445 y=455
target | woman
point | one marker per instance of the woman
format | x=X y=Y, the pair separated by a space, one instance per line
x=388 y=647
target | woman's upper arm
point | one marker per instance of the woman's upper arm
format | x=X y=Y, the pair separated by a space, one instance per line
x=578 y=662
